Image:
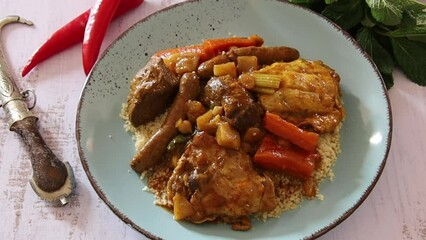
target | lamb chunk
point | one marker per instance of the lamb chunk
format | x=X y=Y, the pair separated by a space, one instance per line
x=151 y=91
x=240 y=108
x=152 y=152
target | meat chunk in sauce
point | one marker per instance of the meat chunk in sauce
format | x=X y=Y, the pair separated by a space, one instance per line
x=309 y=95
x=240 y=108
x=214 y=183
x=151 y=91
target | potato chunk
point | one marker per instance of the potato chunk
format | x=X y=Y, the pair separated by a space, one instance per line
x=182 y=208
x=247 y=63
x=208 y=122
x=228 y=137
x=225 y=69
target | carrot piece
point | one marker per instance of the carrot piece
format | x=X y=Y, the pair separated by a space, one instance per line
x=212 y=47
x=180 y=50
x=216 y=46
x=290 y=132
x=289 y=159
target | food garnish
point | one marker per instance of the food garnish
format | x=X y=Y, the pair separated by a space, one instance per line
x=99 y=18
x=392 y=32
x=71 y=34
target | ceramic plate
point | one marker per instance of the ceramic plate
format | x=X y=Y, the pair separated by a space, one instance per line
x=106 y=149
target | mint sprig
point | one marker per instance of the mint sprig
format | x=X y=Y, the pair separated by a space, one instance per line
x=392 y=32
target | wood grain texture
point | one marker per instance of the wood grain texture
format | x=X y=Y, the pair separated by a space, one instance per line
x=396 y=208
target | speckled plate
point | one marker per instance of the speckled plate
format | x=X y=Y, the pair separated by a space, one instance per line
x=106 y=149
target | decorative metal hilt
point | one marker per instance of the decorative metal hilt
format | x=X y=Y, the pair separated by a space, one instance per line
x=52 y=179
x=11 y=99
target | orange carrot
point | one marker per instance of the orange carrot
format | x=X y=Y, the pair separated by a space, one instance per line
x=212 y=47
x=217 y=46
x=290 y=132
x=289 y=159
x=187 y=49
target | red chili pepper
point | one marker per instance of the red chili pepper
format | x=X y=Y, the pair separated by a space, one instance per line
x=70 y=34
x=100 y=16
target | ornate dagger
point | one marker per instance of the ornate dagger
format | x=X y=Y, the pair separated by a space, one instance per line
x=52 y=179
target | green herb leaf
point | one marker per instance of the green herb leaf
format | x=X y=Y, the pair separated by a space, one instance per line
x=413 y=26
x=411 y=5
x=392 y=32
x=418 y=39
x=388 y=12
x=346 y=13
x=302 y=1
x=368 y=20
x=419 y=17
x=381 y=57
x=411 y=57
x=330 y=1
x=415 y=31
x=413 y=18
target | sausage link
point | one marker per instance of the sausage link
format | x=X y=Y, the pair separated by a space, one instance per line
x=153 y=151
x=205 y=70
x=266 y=55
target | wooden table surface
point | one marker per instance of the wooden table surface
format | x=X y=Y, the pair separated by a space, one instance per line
x=396 y=208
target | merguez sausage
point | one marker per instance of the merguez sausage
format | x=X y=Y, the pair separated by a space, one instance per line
x=205 y=70
x=153 y=151
x=266 y=55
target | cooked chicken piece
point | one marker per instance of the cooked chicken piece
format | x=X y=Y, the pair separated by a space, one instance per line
x=309 y=95
x=151 y=91
x=215 y=183
x=239 y=106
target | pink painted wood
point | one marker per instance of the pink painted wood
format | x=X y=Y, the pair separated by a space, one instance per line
x=396 y=209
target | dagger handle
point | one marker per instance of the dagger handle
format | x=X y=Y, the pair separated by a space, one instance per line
x=49 y=173
x=10 y=97
x=52 y=179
